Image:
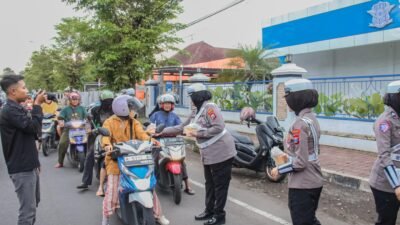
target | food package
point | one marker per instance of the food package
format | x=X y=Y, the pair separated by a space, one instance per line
x=279 y=156
x=191 y=127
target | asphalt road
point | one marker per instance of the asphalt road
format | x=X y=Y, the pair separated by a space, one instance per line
x=63 y=204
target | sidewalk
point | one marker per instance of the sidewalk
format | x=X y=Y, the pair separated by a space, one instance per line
x=347 y=167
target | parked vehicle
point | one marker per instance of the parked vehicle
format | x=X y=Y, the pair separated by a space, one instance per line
x=258 y=158
x=137 y=182
x=48 y=138
x=78 y=138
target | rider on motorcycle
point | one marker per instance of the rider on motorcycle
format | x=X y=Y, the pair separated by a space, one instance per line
x=100 y=113
x=49 y=106
x=73 y=111
x=122 y=126
x=167 y=117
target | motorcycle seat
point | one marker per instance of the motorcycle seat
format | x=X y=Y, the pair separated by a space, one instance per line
x=246 y=149
x=242 y=139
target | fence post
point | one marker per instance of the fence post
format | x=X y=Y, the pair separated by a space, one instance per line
x=284 y=73
x=151 y=95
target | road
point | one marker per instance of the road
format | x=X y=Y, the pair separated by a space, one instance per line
x=63 y=204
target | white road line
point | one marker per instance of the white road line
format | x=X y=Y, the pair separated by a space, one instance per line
x=249 y=207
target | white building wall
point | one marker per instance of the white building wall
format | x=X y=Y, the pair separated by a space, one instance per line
x=378 y=59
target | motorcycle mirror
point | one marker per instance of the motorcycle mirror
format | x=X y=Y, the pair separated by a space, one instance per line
x=103 y=131
x=160 y=128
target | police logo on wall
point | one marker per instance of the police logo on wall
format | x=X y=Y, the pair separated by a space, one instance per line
x=380 y=13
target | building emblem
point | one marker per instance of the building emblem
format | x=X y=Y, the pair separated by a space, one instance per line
x=380 y=13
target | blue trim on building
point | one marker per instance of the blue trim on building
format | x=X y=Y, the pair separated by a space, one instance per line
x=344 y=22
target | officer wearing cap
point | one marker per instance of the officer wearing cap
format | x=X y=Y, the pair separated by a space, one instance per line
x=384 y=178
x=217 y=149
x=305 y=176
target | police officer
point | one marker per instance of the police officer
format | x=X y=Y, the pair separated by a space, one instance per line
x=384 y=181
x=217 y=149
x=305 y=177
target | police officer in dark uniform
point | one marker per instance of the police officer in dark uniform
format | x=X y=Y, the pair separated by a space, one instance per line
x=384 y=178
x=217 y=149
x=305 y=176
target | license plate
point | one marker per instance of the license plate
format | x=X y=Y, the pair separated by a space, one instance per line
x=138 y=160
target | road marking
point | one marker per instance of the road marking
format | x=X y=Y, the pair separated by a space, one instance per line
x=249 y=207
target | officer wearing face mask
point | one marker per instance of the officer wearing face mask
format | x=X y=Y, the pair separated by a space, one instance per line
x=217 y=149
x=384 y=178
x=305 y=176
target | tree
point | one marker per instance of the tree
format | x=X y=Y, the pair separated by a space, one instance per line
x=40 y=72
x=8 y=71
x=257 y=66
x=123 y=37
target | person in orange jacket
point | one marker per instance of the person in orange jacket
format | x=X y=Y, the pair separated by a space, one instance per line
x=122 y=127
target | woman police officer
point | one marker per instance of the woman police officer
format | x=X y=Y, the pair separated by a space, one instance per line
x=384 y=178
x=217 y=149
x=305 y=179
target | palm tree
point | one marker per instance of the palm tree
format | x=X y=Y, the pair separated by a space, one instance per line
x=257 y=66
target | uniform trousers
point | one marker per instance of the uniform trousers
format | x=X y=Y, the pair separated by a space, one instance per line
x=303 y=204
x=218 y=177
x=387 y=207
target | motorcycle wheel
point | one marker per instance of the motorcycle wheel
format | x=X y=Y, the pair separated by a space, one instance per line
x=177 y=188
x=268 y=170
x=81 y=158
x=71 y=157
x=45 y=147
x=143 y=215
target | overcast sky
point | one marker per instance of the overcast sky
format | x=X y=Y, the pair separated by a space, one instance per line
x=27 y=24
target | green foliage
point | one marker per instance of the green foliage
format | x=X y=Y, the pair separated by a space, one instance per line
x=364 y=107
x=256 y=64
x=123 y=37
x=237 y=97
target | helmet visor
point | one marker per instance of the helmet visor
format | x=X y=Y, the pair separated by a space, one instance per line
x=134 y=104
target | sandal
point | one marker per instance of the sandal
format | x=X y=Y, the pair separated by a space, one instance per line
x=189 y=191
x=100 y=193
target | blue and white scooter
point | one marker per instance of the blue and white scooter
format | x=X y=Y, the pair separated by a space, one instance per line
x=137 y=181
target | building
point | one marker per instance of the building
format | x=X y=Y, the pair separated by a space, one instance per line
x=339 y=38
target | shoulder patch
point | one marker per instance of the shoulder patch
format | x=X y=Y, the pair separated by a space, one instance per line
x=295 y=136
x=384 y=126
x=211 y=113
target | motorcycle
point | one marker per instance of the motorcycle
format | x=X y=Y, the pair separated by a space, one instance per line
x=48 y=138
x=258 y=158
x=78 y=138
x=170 y=163
x=137 y=181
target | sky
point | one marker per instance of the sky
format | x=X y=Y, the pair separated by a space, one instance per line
x=25 y=25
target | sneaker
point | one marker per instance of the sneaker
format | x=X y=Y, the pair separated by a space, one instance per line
x=163 y=221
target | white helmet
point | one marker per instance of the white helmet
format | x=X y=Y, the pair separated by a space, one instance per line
x=167 y=98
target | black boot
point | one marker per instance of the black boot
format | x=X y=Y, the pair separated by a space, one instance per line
x=206 y=215
x=216 y=220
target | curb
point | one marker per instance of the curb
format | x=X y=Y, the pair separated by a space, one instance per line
x=345 y=180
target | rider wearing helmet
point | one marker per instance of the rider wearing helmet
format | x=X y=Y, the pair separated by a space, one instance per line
x=122 y=127
x=130 y=92
x=167 y=117
x=72 y=112
x=305 y=180
x=100 y=114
